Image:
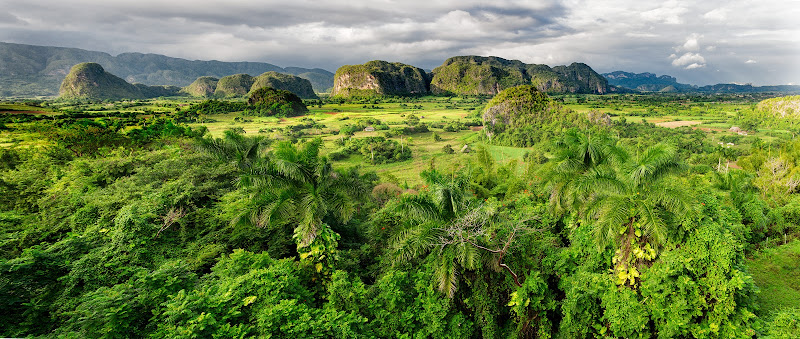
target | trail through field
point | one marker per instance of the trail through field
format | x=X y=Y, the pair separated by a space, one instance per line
x=676 y=124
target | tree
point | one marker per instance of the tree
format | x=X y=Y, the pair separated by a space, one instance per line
x=290 y=185
x=452 y=227
x=629 y=200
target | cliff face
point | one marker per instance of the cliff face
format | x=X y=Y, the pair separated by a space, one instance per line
x=474 y=75
x=297 y=85
x=377 y=78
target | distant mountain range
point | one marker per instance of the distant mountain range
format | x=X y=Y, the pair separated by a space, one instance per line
x=27 y=70
x=649 y=82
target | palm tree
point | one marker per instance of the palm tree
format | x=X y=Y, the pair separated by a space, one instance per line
x=447 y=225
x=583 y=163
x=234 y=147
x=298 y=186
x=629 y=201
x=289 y=185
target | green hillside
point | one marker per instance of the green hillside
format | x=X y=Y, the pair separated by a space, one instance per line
x=476 y=75
x=379 y=77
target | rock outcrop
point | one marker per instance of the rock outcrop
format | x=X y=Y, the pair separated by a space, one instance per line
x=476 y=75
x=377 y=78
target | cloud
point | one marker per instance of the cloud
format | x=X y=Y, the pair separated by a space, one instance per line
x=717 y=14
x=690 y=61
x=750 y=61
x=671 y=12
x=691 y=44
x=615 y=35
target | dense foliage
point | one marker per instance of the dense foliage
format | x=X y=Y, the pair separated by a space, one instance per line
x=523 y=116
x=144 y=227
x=269 y=101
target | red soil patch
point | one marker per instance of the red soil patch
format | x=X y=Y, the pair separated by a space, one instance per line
x=332 y=113
x=476 y=128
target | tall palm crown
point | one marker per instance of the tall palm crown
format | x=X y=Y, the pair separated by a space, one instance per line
x=289 y=184
x=437 y=221
x=629 y=201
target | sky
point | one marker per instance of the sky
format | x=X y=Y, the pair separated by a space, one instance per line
x=698 y=42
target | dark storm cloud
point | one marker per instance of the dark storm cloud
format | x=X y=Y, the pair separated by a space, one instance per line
x=702 y=43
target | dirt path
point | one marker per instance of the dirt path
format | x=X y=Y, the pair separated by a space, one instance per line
x=676 y=124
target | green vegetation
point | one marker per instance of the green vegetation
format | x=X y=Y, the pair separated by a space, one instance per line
x=237 y=85
x=378 y=78
x=299 y=86
x=523 y=116
x=91 y=81
x=34 y=71
x=474 y=75
x=268 y=101
x=362 y=217
x=202 y=87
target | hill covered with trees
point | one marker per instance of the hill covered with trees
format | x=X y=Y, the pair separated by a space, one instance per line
x=91 y=81
x=474 y=75
x=379 y=77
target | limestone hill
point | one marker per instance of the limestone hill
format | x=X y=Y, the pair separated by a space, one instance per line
x=523 y=115
x=90 y=81
x=476 y=75
x=377 y=78
x=27 y=70
x=236 y=85
x=295 y=84
x=202 y=87
x=782 y=107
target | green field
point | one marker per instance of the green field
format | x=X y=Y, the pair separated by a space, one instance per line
x=776 y=272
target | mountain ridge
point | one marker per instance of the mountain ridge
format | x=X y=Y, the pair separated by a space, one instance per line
x=30 y=70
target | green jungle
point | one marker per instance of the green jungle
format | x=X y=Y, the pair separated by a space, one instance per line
x=525 y=214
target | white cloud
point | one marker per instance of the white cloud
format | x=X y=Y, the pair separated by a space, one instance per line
x=717 y=14
x=671 y=12
x=750 y=61
x=691 y=43
x=690 y=60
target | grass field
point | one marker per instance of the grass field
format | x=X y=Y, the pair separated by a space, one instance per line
x=711 y=117
x=776 y=272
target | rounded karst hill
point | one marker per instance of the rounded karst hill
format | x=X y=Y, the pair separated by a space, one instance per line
x=523 y=115
x=378 y=78
x=90 y=81
x=787 y=107
x=202 y=87
x=237 y=85
x=292 y=83
x=269 y=101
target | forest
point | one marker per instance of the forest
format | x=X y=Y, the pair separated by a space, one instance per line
x=561 y=216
